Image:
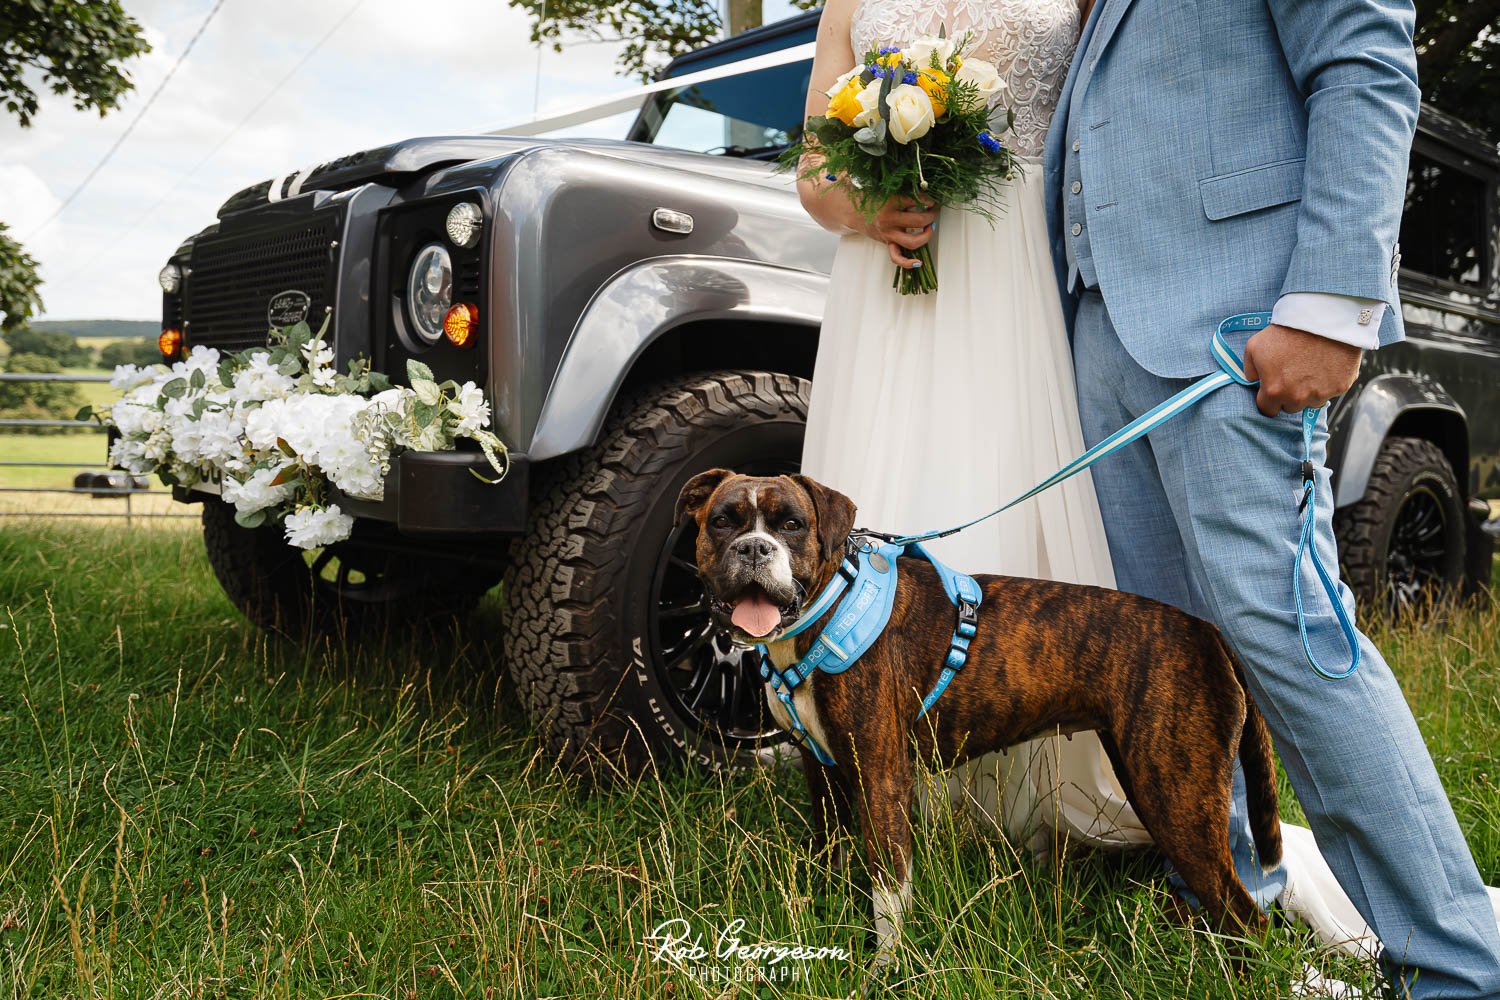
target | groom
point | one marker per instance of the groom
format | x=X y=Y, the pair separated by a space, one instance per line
x=1224 y=156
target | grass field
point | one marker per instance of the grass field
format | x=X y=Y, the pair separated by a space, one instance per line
x=189 y=809
x=81 y=450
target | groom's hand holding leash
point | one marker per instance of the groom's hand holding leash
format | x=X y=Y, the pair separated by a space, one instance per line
x=1297 y=369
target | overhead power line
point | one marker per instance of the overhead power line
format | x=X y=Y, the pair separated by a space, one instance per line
x=109 y=153
x=244 y=120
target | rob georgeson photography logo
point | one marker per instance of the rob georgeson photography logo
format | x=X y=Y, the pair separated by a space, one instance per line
x=726 y=953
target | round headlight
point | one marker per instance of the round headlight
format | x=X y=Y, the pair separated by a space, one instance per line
x=464 y=221
x=429 y=292
x=169 y=278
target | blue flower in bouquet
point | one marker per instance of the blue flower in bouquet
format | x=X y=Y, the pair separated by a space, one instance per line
x=988 y=140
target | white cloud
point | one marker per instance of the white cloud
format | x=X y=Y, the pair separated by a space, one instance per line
x=394 y=69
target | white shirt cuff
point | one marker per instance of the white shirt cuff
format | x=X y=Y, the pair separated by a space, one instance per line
x=1344 y=318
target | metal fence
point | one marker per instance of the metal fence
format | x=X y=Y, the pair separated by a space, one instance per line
x=118 y=486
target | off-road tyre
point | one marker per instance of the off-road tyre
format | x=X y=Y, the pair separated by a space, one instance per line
x=276 y=586
x=1402 y=545
x=578 y=589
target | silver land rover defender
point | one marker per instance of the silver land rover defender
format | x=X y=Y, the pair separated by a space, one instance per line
x=648 y=309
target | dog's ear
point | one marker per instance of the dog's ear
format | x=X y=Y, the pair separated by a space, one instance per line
x=696 y=491
x=835 y=515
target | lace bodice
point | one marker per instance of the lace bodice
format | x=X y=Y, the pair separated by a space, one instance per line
x=1030 y=42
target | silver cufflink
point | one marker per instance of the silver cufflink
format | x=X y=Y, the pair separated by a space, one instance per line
x=1365 y=316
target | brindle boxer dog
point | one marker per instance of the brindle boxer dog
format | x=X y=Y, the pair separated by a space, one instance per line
x=1160 y=687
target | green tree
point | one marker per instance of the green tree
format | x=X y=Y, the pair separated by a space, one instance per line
x=77 y=47
x=1458 y=59
x=19 y=300
x=63 y=348
x=128 y=352
x=38 y=400
x=653 y=30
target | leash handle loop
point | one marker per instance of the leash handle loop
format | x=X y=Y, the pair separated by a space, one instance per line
x=1307 y=548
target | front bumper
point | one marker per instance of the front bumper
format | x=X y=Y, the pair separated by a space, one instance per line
x=438 y=493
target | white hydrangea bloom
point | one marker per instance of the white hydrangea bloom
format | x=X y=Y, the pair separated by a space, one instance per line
x=136 y=419
x=256 y=492
x=200 y=358
x=260 y=380
x=130 y=454
x=129 y=376
x=311 y=527
x=219 y=432
x=264 y=424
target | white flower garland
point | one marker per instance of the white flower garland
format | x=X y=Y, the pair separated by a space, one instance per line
x=276 y=425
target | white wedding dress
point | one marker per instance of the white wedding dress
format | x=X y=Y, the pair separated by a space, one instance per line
x=928 y=410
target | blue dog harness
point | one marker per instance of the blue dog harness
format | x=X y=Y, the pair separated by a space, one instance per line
x=868 y=584
x=865 y=589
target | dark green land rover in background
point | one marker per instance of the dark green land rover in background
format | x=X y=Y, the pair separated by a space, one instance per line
x=649 y=309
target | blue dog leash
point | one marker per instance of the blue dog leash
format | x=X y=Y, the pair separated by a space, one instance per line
x=1231 y=372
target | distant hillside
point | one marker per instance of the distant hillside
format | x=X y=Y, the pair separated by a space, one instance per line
x=111 y=329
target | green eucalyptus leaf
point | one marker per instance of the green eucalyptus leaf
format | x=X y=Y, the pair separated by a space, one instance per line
x=198 y=379
x=84 y=413
x=252 y=520
x=175 y=389
x=416 y=370
x=289 y=365
x=378 y=382
x=426 y=391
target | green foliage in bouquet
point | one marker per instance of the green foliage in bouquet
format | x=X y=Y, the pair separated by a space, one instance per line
x=919 y=121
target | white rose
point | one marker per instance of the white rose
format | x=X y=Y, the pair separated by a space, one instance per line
x=869 y=104
x=838 y=84
x=911 y=114
x=921 y=51
x=981 y=75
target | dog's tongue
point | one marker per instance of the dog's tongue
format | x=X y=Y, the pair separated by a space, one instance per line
x=755 y=614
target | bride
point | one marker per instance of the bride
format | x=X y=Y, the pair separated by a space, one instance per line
x=930 y=409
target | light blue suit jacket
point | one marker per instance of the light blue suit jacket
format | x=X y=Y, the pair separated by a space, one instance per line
x=1232 y=151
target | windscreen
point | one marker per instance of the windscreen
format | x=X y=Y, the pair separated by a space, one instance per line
x=754 y=114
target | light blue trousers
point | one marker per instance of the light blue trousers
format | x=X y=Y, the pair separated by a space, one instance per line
x=1203 y=515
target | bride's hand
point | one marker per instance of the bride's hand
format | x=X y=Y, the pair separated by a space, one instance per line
x=902 y=222
x=831 y=207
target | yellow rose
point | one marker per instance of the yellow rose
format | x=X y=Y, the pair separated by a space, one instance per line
x=934 y=82
x=844 y=104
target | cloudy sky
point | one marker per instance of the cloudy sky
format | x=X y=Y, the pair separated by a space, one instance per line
x=391 y=69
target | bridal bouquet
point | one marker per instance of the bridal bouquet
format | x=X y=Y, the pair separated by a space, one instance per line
x=277 y=426
x=918 y=119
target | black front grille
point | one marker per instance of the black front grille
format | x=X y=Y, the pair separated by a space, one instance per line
x=235 y=276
